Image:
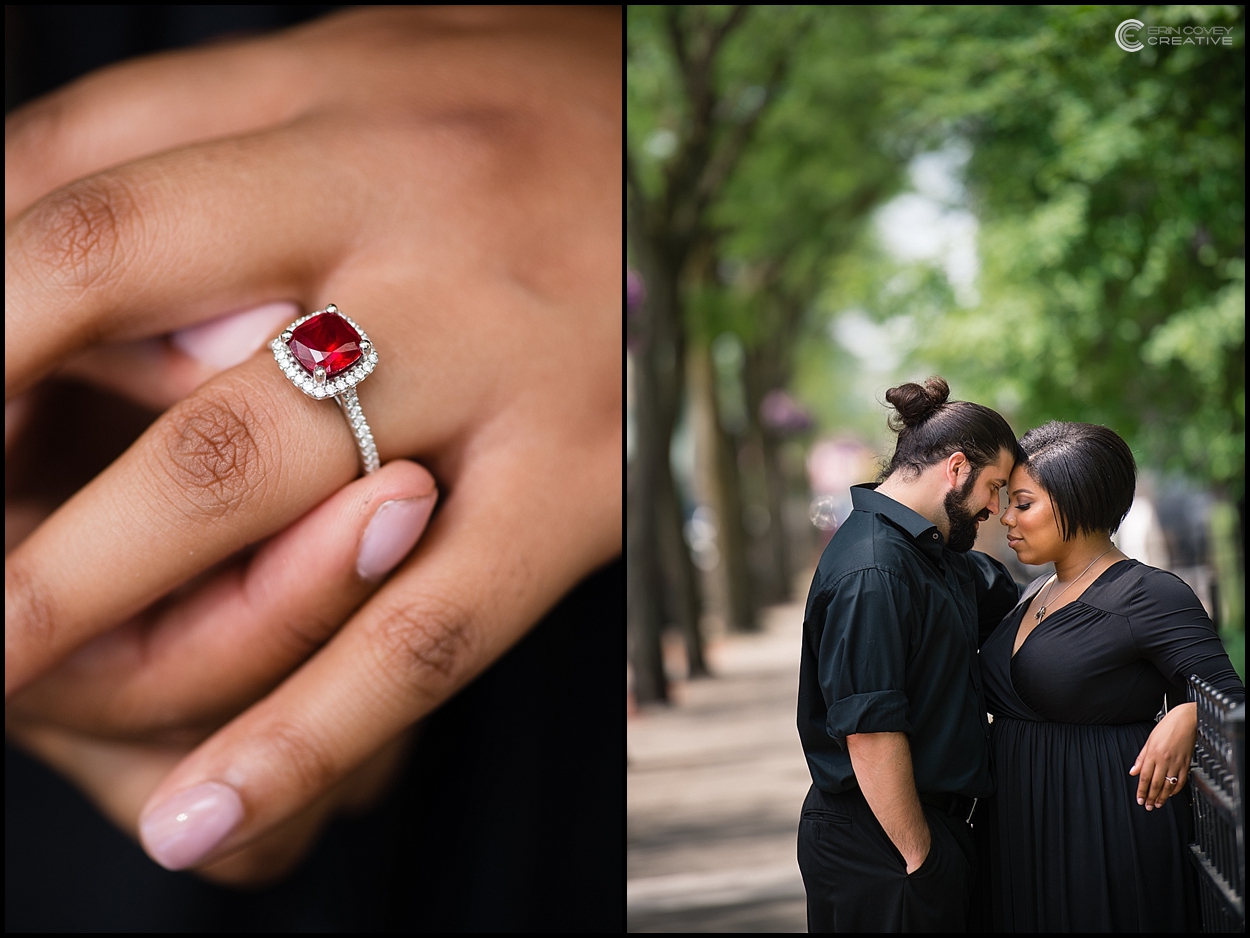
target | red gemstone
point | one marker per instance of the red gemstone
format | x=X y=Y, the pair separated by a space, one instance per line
x=327 y=340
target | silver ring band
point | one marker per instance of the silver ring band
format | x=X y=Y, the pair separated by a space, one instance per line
x=327 y=360
x=349 y=403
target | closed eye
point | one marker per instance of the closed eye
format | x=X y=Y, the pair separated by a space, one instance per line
x=1022 y=506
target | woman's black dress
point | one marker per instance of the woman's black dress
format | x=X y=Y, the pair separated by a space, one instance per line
x=1065 y=844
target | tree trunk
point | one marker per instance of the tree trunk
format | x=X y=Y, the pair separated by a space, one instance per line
x=681 y=579
x=651 y=517
x=644 y=605
x=759 y=376
x=717 y=468
x=778 y=536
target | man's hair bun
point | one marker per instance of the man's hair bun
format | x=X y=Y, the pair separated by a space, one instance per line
x=916 y=403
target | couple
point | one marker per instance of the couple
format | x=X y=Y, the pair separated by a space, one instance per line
x=930 y=683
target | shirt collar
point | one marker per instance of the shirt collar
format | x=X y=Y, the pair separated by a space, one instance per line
x=924 y=532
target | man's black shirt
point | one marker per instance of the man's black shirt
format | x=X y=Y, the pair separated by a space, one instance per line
x=890 y=637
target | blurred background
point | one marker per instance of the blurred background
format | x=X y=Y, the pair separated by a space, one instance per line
x=824 y=202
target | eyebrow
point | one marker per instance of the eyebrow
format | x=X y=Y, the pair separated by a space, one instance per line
x=1022 y=492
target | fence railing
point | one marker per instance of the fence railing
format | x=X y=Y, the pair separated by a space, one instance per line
x=1216 y=778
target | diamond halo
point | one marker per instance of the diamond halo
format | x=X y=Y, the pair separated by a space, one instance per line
x=341 y=388
x=329 y=387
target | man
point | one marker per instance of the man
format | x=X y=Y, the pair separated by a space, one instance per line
x=891 y=711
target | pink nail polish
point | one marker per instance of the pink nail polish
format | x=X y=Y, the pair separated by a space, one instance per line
x=392 y=531
x=230 y=340
x=182 y=831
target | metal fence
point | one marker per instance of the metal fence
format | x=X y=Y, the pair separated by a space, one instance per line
x=1216 y=777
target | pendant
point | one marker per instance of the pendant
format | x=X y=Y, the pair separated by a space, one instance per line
x=1038 y=615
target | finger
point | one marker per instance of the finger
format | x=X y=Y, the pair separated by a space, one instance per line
x=16 y=416
x=118 y=777
x=21 y=518
x=1169 y=788
x=437 y=624
x=157 y=373
x=239 y=460
x=1158 y=783
x=215 y=652
x=1144 y=767
x=1137 y=762
x=141 y=107
x=171 y=241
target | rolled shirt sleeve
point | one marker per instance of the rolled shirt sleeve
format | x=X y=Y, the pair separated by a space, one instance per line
x=869 y=626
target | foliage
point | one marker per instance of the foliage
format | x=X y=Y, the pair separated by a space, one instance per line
x=1109 y=188
x=813 y=167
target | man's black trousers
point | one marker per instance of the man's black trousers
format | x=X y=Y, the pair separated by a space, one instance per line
x=857 y=880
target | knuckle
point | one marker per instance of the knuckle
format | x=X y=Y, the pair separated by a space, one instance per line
x=427 y=646
x=29 y=613
x=212 y=450
x=301 y=757
x=79 y=233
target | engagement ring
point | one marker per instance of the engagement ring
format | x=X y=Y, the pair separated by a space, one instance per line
x=325 y=354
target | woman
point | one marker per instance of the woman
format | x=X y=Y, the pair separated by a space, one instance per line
x=1084 y=833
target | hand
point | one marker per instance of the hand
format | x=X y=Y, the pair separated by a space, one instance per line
x=919 y=852
x=451 y=179
x=165 y=680
x=1167 y=753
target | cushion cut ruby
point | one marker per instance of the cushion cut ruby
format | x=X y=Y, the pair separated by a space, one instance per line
x=327 y=340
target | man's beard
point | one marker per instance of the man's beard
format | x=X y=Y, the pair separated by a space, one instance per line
x=962 y=521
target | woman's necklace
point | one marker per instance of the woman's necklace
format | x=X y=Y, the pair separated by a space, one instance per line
x=1042 y=612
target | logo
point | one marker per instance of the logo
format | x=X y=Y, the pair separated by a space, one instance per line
x=1122 y=38
x=1126 y=38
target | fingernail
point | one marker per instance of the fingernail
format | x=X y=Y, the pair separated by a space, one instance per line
x=230 y=340
x=392 y=531
x=1141 y=800
x=182 y=831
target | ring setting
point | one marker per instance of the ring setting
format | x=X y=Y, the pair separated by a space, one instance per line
x=1172 y=779
x=326 y=355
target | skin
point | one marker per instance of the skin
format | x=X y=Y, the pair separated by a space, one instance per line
x=450 y=178
x=882 y=761
x=1033 y=532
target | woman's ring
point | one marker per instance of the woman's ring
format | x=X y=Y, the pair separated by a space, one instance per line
x=325 y=354
x=1172 y=779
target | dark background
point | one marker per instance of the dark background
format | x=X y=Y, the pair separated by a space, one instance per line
x=509 y=815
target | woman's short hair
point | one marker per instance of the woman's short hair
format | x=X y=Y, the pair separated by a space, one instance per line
x=930 y=428
x=1087 y=470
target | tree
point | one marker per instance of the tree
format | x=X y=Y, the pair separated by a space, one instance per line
x=696 y=126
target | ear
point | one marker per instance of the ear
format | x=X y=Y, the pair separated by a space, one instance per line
x=956 y=466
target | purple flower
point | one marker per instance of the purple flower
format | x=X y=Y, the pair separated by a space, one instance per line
x=782 y=414
x=635 y=291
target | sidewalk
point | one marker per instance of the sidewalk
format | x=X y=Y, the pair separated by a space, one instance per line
x=715 y=785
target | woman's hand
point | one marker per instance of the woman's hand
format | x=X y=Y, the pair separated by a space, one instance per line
x=1167 y=754
x=133 y=702
x=451 y=179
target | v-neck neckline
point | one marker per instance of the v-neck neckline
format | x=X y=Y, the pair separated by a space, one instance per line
x=1079 y=597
